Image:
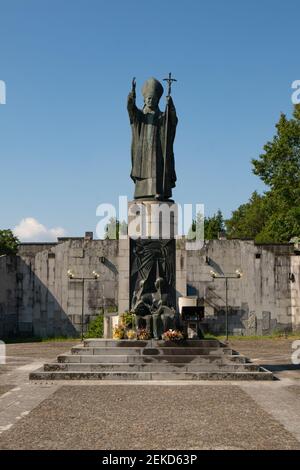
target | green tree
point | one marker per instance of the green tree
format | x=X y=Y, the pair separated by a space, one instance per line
x=213 y=227
x=114 y=228
x=249 y=219
x=275 y=215
x=8 y=243
x=279 y=166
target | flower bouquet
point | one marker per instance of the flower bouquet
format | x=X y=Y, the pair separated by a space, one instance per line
x=143 y=334
x=131 y=334
x=119 y=332
x=173 y=335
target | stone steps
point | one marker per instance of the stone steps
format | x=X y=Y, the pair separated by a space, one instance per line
x=149 y=351
x=153 y=367
x=99 y=359
x=140 y=359
x=126 y=343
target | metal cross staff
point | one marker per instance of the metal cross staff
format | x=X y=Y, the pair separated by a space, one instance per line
x=169 y=80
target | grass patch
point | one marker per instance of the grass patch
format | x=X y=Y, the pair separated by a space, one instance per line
x=60 y=338
x=36 y=339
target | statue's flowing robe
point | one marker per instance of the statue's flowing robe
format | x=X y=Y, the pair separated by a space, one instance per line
x=152 y=175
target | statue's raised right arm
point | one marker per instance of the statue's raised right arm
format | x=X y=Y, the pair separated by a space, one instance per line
x=131 y=106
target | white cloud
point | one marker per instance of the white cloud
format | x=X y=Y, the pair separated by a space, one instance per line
x=31 y=230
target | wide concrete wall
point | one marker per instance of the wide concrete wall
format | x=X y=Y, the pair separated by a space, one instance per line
x=8 y=296
x=37 y=297
x=264 y=299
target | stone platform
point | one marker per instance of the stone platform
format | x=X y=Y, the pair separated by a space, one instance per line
x=105 y=359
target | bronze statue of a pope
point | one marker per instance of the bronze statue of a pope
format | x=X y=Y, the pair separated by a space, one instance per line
x=153 y=134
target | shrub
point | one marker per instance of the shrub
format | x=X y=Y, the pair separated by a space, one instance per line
x=127 y=319
x=96 y=328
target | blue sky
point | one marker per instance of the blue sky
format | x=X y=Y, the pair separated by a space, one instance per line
x=68 y=66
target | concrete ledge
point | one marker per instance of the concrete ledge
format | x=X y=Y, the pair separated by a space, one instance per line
x=42 y=375
x=138 y=359
x=149 y=351
x=200 y=343
x=150 y=367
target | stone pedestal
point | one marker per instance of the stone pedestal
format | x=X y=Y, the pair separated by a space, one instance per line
x=110 y=321
x=152 y=227
x=152 y=245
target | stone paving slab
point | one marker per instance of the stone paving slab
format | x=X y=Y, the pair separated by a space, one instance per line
x=20 y=396
x=264 y=348
x=273 y=354
x=279 y=401
x=5 y=388
x=148 y=417
x=295 y=389
x=37 y=350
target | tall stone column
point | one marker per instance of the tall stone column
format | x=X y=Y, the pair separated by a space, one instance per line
x=152 y=228
x=149 y=250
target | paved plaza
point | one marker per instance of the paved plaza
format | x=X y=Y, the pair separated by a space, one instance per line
x=139 y=415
